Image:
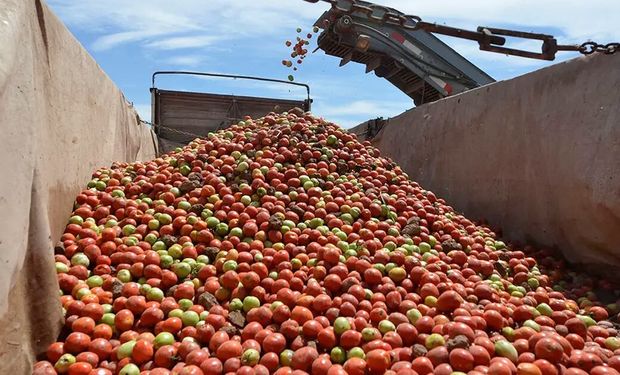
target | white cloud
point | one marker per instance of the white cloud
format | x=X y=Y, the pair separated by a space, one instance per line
x=185 y=60
x=183 y=42
x=572 y=17
x=121 y=21
x=112 y=40
x=140 y=20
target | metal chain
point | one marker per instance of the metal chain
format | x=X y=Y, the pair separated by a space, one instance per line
x=384 y=15
x=194 y=135
x=589 y=48
x=155 y=126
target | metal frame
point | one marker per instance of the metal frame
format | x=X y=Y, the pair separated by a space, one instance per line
x=233 y=76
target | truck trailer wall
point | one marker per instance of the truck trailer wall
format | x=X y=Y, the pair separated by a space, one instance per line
x=538 y=156
x=61 y=117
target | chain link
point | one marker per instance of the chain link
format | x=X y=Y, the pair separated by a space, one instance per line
x=181 y=132
x=387 y=16
x=589 y=48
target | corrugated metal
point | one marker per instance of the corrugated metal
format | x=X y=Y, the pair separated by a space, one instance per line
x=200 y=113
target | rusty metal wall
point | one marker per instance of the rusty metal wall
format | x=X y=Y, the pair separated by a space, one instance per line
x=185 y=115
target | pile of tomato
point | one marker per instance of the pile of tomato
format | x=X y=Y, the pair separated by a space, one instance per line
x=282 y=245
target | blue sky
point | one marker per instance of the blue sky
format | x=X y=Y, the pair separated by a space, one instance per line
x=132 y=39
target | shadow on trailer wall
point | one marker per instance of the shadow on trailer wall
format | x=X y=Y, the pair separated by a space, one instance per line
x=181 y=116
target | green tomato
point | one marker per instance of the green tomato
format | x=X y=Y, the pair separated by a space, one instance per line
x=308 y=185
x=315 y=223
x=112 y=223
x=94 y=281
x=159 y=245
x=212 y=221
x=221 y=229
x=434 y=340
x=165 y=219
x=369 y=334
x=166 y=261
x=338 y=355
x=544 y=309
x=236 y=304
x=64 y=362
x=356 y=352
x=386 y=326
x=108 y=318
x=185 y=304
x=250 y=302
x=130 y=369
x=532 y=324
x=82 y=292
x=124 y=275
x=181 y=269
x=380 y=267
x=341 y=325
x=75 y=219
x=163 y=338
x=175 y=313
x=505 y=349
x=296 y=263
x=175 y=251
x=61 y=267
x=203 y=259
x=397 y=274
x=612 y=343
x=155 y=294
x=588 y=321
x=192 y=220
x=100 y=185
x=185 y=205
x=190 y=318
x=430 y=301
x=509 y=333
x=413 y=315
x=229 y=265
x=424 y=247
x=80 y=259
x=286 y=357
x=236 y=232
x=125 y=350
x=250 y=357
x=144 y=289
x=275 y=305
x=347 y=218
x=128 y=229
x=153 y=224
